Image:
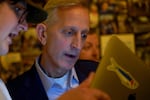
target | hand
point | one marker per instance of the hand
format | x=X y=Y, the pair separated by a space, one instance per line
x=84 y=92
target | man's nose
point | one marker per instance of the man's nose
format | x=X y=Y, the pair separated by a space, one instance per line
x=77 y=42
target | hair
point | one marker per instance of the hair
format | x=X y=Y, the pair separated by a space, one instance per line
x=13 y=1
x=52 y=6
x=1 y=1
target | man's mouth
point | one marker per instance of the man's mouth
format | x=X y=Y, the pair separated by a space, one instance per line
x=72 y=56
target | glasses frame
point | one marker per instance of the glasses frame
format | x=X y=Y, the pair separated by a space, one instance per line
x=23 y=17
x=20 y=12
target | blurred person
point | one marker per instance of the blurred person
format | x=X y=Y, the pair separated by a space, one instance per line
x=91 y=48
x=12 y=17
x=62 y=36
x=9 y=26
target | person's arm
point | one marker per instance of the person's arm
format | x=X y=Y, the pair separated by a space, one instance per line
x=84 y=92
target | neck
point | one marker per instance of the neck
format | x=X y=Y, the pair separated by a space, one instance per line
x=49 y=69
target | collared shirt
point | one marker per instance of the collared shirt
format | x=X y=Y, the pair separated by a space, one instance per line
x=4 y=94
x=55 y=87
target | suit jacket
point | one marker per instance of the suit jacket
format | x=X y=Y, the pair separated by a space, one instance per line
x=28 y=86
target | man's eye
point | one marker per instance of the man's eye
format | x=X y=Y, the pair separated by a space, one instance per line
x=69 y=33
x=84 y=36
x=17 y=9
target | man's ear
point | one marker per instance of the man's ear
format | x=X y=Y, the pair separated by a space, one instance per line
x=41 y=33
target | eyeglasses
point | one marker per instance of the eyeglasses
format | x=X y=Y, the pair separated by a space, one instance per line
x=20 y=13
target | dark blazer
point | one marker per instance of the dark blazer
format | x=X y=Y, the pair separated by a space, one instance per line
x=28 y=86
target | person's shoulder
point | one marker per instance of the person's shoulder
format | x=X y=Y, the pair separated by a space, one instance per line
x=21 y=79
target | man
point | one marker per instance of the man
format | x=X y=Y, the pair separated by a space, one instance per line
x=91 y=48
x=12 y=20
x=62 y=36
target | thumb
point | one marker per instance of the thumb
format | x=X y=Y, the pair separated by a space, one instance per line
x=88 y=81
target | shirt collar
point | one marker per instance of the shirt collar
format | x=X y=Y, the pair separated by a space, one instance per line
x=48 y=82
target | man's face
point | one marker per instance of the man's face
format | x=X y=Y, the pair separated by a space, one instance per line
x=65 y=38
x=9 y=26
x=90 y=50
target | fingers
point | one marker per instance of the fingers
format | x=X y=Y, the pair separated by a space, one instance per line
x=81 y=93
x=92 y=93
x=85 y=92
x=100 y=95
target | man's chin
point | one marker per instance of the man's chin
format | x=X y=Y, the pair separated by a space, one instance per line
x=68 y=66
